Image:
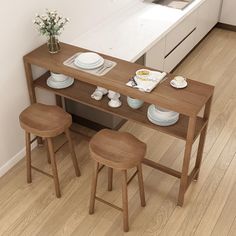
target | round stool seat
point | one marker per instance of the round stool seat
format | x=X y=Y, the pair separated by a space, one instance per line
x=118 y=150
x=45 y=120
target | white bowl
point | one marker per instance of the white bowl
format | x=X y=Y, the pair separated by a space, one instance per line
x=143 y=73
x=58 y=77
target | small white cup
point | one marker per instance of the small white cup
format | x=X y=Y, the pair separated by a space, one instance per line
x=179 y=80
x=97 y=95
x=103 y=90
x=113 y=95
x=58 y=77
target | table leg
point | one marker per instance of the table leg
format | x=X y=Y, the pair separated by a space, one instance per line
x=29 y=80
x=187 y=155
x=59 y=101
x=31 y=90
x=202 y=138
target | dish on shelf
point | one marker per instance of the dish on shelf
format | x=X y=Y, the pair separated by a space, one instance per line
x=162 y=117
x=59 y=85
x=89 y=60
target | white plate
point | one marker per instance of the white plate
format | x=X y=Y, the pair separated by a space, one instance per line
x=88 y=58
x=162 y=123
x=163 y=113
x=160 y=118
x=89 y=67
x=60 y=85
x=90 y=64
x=183 y=85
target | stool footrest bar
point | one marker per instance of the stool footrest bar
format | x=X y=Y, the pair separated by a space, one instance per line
x=131 y=178
x=100 y=168
x=60 y=146
x=42 y=172
x=108 y=203
x=33 y=140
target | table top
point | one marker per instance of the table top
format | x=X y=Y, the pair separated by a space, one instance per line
x=188 y=101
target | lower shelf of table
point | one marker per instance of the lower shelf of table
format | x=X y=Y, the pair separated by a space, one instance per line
x=80 y=92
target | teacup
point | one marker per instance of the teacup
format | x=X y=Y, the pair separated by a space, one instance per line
x=58 y=77
x=113 y=95
x=179 y=80
x=97 y=95
x=134 y=103
x=103 y=90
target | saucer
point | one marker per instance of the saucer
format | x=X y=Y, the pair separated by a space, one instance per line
x=180 y=86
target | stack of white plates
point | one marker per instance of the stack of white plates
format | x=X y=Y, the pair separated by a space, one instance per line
x=51 y=82
x=88 y=60
x=162 y=117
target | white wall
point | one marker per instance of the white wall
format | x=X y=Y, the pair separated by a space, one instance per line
x=228 y=13
x=18 y=37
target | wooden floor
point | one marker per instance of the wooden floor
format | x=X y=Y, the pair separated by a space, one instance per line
x=210 y=206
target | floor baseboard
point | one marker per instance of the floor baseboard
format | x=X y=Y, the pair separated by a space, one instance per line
x=15 y=159
x=226 y=26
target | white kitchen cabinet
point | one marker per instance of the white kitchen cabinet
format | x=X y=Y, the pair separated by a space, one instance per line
x=172 y=59
x=228 y=12
x=169 y=52
x=155 y=56
x=180 y=32
x=208 y=16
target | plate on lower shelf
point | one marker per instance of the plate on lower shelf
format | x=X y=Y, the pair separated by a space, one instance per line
x=59 y=85
x=163 y=123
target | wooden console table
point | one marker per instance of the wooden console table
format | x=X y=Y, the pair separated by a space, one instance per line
x=188 y=102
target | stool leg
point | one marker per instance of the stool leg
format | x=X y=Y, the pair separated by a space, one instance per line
x=48 y=154
x=72 y=151
x=125 y=202
x=93 y=188
x=110 y=178
x=54 y=167
x=141 y=186
x=28 y=157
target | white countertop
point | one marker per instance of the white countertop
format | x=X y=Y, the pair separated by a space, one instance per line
x=134 y=30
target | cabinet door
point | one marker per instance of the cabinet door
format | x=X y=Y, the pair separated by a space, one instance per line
x=208 y=16
x=155 y=56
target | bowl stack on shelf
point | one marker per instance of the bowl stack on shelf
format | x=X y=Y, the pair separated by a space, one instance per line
x=59 y=81
x=88 y=61
x=161 y=116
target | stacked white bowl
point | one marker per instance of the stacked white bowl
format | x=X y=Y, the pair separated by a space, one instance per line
x=161 y=116
x=59 y=81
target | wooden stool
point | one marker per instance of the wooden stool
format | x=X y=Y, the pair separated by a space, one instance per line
x=47 y=122
x=120 y=151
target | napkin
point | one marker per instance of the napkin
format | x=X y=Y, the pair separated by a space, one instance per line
x=147 y=85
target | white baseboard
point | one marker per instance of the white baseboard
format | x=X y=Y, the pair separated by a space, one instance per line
x=14 y=160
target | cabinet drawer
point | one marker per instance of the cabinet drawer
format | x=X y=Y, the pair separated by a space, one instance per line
x=173 y=59
x=180 y=32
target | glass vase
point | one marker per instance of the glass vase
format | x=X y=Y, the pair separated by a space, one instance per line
x=53 y=44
